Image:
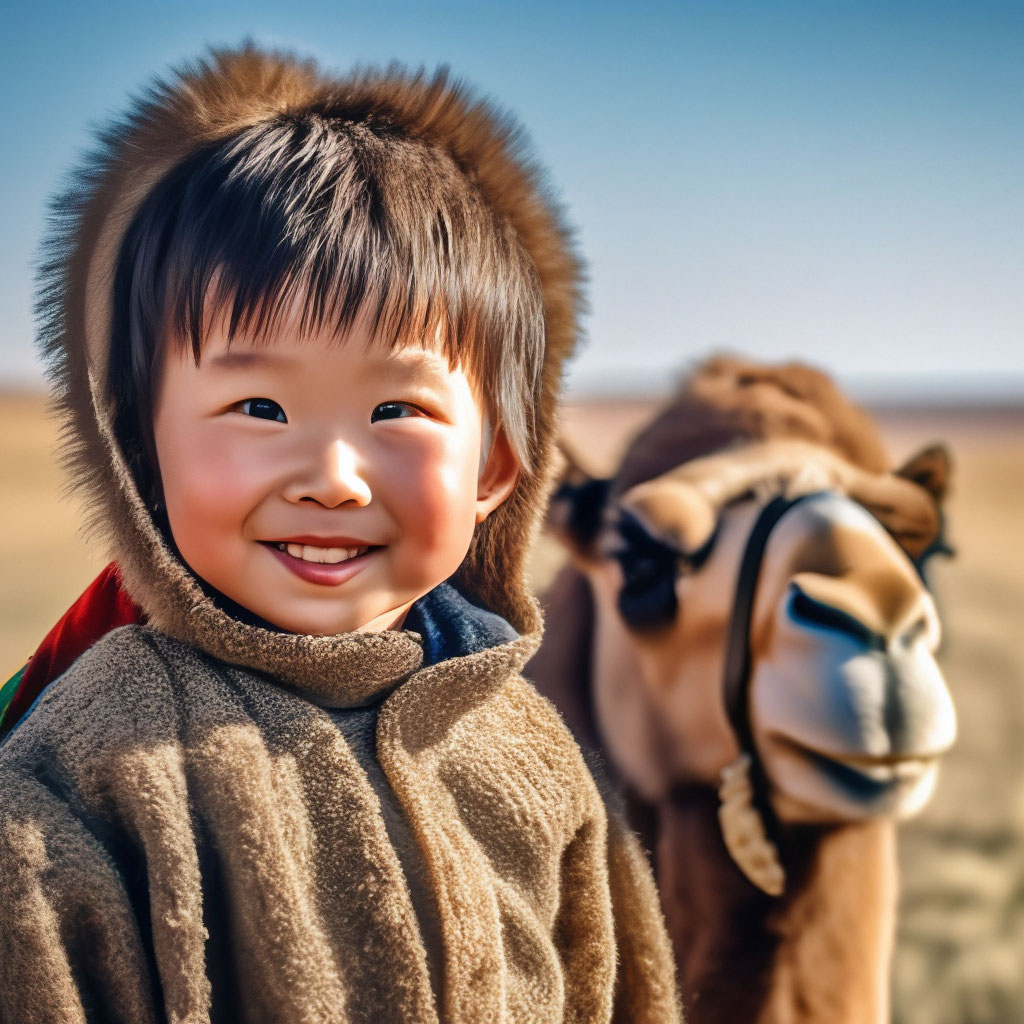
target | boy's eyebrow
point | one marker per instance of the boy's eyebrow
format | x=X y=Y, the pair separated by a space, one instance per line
x=396 y=363
x=236 y=358
x=413 y=359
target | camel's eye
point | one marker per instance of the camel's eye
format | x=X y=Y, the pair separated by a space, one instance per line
x=647 y=599
x=650 y=568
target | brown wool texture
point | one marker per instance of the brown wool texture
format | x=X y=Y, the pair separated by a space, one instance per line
x=185 y=834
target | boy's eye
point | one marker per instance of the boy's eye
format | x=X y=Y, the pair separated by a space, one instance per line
x=392 y=411
x=263 y=409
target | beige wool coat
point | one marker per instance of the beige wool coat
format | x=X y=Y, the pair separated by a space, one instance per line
x=186 y=834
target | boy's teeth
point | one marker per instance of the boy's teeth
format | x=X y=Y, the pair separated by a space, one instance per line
x=330 y=556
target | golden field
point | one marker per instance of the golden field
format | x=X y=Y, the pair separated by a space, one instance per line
x=960 y=954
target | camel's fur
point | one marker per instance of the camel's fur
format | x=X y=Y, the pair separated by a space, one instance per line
x=820 y=952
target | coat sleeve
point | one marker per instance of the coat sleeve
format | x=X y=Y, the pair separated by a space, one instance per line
x=646 y=991
x=645 y=984
x=70 y=945
x=618 y=961
x=101 y=916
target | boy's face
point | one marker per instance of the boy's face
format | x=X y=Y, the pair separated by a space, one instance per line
x=324 y=485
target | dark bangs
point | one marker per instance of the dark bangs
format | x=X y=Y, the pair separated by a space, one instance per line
x=335 y=219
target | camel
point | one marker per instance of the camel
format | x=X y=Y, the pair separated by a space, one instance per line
x=743 y=633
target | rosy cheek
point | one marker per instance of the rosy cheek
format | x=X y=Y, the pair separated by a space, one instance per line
x=190 y=467
x=210 y=487
x=435 y=489
x=226 y=470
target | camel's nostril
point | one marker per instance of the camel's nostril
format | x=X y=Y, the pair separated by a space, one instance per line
x=808 y=611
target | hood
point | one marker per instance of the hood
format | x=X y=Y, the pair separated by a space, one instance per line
x=208 y=101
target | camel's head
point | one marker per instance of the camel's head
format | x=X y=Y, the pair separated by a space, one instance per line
x=843 y=703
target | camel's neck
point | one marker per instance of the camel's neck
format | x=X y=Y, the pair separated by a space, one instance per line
x=820 y=952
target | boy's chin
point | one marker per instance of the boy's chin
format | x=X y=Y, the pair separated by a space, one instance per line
x=392 y=619
x=294 y=621
x=307 y=622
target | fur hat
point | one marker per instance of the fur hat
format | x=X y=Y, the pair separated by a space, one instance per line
x=210 y=101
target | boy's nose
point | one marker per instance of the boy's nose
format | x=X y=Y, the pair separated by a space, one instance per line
x=333 y=479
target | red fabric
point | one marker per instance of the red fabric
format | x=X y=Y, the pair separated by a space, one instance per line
x=102 y=607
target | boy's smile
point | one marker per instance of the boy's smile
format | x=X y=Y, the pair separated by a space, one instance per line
x=320 y=560
x=323 y=484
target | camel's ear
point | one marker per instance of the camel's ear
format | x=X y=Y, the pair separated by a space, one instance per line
x=577 y=506
x=931 y=468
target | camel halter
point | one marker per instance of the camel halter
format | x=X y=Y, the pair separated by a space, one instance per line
x=747 y=818
x=736 y=680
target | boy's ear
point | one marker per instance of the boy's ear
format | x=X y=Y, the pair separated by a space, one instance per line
x=497 y=478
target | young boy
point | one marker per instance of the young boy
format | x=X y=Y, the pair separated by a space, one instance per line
x=309 y=334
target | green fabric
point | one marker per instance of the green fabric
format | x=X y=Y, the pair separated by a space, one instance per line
x=8 y=690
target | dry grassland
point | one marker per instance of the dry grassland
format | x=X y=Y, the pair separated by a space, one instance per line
x=960 y=955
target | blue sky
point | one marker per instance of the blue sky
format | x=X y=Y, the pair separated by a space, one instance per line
x=841 y=182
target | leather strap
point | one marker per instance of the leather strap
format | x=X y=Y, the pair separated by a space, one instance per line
x=736 y=678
